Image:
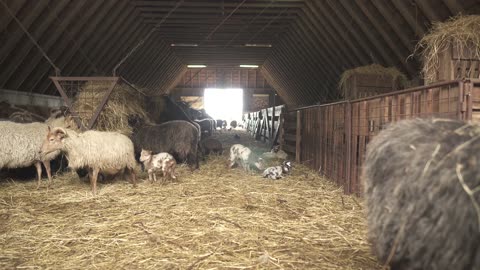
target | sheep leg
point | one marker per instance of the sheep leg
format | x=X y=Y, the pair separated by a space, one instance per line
x=132 y=176
x=172 y=173
x=49 y=171
x=38 y=166
x=93 y=180
x=154 y=177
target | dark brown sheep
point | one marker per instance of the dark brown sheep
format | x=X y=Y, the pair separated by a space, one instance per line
x=179 y=138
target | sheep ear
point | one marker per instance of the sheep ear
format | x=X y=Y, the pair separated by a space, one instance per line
x=60 y=132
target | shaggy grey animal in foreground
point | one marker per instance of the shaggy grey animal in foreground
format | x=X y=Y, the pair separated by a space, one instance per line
x=109 y=152
x=178 y=138
x=421 y=188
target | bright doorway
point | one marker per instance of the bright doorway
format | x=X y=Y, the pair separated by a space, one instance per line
x=225 y=104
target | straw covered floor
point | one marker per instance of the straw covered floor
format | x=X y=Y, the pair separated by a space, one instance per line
x=213 y=218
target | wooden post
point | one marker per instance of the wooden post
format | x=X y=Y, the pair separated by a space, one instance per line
x=298 y=139
x=348 y=151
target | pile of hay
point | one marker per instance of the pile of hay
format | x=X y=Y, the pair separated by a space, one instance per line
x=459 y=31
x=373 y=69
x=213 y=218
x=124 y=102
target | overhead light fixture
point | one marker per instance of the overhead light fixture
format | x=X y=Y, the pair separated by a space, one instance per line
x=196 y=66
x=258 y=45
x=249 y=66
x=184 y=45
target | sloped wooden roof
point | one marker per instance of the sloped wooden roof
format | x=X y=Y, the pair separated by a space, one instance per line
x=312 y=41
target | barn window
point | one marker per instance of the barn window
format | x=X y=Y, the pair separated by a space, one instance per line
x=225 y=104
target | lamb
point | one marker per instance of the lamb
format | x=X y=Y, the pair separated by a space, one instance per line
x=244 y=156
x=211 y=145
x=109 y=152
x=20 y=145
x=162 y=161
x=178 y=138
x=421 y=184
x=277 y=172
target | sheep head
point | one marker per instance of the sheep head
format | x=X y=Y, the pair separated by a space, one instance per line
x=145 y=155
x=54 y=140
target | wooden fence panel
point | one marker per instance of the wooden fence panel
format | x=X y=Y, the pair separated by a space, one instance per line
x=334 y=137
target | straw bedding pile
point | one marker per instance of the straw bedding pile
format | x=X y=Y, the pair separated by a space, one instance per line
x=460 y=31
x=373 y=69
x=124 y=102
x=213 y=218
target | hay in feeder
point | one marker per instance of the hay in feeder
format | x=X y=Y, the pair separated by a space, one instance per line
x=213 y=218
x=373 y=69
x=124 y=102
x=460 y=32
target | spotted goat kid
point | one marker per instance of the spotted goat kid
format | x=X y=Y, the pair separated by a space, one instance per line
x=162 y=161
x=245 y=157
x=277 y=172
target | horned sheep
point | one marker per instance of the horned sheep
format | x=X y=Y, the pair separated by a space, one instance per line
x=98 y=151
x=421 y=189
x=245 y=157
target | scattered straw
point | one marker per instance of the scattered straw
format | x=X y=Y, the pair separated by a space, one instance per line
x=123 y=103
x=213 y=218
x=373 y=69
x=460 y=31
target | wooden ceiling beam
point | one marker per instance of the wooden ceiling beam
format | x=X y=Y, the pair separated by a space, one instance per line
x=92 y=33
x=278 y=4
x=21 y=60
x=391 y=40
x=454 y=6
x=339 y=38
x=395 y=21
x=361 y=21
x=411 y=14
x=53 y=44
x=6 y=19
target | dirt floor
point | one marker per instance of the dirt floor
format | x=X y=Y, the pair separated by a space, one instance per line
x=213 y=218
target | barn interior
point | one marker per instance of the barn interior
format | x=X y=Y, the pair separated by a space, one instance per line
x=278 y=67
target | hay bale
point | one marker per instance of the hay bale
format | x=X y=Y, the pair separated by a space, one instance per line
x=422 y=211
x=373 y=69
x=459 y=32
x=124 y=102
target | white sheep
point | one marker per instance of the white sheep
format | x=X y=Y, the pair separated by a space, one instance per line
x=162 y=161
x=245 y=157
x=20 y=145
x=95 y=150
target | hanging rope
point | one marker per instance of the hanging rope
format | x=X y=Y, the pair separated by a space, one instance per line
x=57 y=70
x=142 y=41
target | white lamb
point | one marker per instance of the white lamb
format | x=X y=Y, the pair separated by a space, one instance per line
x=245 y=157
x=162 y=161
x=277 y=172
x=95 y=150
